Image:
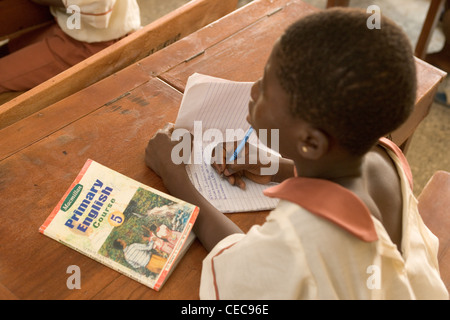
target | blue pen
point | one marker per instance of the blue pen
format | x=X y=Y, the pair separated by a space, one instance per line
x=241 y=145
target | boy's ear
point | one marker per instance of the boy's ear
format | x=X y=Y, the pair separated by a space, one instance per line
x=313 y=144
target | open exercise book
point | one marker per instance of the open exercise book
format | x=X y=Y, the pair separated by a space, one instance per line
x=213 y=103
x=126 y=225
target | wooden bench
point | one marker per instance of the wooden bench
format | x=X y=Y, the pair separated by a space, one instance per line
x=151 y=38
x=434 y=207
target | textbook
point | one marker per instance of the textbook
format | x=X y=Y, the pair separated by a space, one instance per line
x=126 y=225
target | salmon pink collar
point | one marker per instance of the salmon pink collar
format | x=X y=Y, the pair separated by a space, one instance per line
x=330 y=201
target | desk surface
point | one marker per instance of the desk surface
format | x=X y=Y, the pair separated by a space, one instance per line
x=111 y=122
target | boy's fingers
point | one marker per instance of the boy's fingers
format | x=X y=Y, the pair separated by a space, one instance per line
x=166 y=130
x=257 y=178
x=233 y=168
x=168 y=127
x=240 y=182
x=236 y=180
x=231 y=180
x=218 y=167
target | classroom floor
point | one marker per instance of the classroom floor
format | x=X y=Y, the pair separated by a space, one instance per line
x=429 y=150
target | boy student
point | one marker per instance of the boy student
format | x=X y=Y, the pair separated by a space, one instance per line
x=347 y=226
x=82 y=28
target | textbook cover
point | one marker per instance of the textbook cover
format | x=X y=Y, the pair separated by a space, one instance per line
x=128 y=226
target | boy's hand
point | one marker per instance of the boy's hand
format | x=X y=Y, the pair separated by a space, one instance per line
x=159 y=150
x=211 y=225
x=235 y=171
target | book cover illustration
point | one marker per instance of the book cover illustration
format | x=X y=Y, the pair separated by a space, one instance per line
x=126 y=225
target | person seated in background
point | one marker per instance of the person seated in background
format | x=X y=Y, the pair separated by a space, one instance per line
x=81 y=29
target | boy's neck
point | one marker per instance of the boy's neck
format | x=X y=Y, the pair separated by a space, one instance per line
x=339 y=168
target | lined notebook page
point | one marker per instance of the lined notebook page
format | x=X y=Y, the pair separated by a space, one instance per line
x=220 y=104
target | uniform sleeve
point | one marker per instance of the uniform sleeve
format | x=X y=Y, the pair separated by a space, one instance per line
x=400 y=155
x=266 y=263
x=93 y=12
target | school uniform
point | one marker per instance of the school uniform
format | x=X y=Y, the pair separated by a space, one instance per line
x=321 y=242
x=85 y=28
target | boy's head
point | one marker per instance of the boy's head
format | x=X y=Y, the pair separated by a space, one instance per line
x=353 y=83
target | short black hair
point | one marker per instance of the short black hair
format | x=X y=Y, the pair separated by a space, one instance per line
x=354 y=83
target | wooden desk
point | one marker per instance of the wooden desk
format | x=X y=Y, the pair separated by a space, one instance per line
x=111 y=123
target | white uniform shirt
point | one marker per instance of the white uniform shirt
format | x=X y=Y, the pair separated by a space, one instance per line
x=98 y=21
x=332 y=251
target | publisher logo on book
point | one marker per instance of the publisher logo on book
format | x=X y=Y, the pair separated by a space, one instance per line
x=72 y=197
